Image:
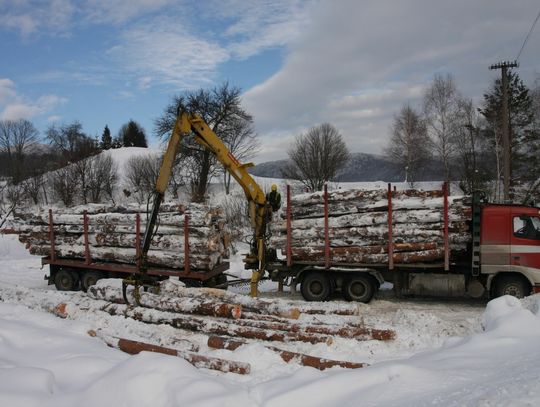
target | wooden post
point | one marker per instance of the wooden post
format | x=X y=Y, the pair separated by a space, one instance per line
x=326 y=230
x=446 y=243
x=87 y=258
x=186 y=244
x=289 y=227
x=51 y=236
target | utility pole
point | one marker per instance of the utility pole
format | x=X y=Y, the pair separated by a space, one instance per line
x=503 y=66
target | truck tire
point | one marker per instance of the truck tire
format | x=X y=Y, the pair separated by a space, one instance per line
x=66 y=280
x=90 y=278
x=360 y=288
x=316 y=286
x=511 y=285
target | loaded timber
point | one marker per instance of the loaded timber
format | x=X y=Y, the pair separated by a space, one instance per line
x=344 y=242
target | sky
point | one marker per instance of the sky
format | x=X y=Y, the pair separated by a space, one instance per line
x=351 y=63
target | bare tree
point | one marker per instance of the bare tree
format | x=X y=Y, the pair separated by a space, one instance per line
x=141 y=175
x=9 y=199
x=441 y=117
x=63 y=181
x=242 y=142
x=70 y=142
x=102 y=177
x=32 y=187
x=473 y=153
x=316 y=156
x=409 y=146
x=222 y=110
x=16 y=139
x=81 y=169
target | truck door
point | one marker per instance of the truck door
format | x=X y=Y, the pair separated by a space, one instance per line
x=495 y=235
x=525 y=247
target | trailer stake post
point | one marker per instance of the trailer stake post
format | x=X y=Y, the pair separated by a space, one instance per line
x=186 y=244
x=87 y=258
x=51 y=236
x=326 y=229
x=138 y=241
x=289 y=227
x=446 y=244
x=390 y=230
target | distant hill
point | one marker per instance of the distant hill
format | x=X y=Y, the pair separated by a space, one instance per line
x=361 y=167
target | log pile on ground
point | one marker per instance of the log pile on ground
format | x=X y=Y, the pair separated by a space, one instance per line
x=263 y=321
x=358 y=226
x=112 y=234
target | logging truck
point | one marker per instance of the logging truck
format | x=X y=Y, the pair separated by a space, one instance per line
x=502 y=253
x=501 y=256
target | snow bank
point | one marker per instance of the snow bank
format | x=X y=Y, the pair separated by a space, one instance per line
x=47 y=361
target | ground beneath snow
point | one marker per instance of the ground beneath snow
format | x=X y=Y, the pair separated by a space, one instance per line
x=447 y=353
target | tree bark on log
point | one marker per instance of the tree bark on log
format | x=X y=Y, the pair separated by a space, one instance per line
x=199 y=361
x=218 y=342
x=122 y=255
x=249 y=304
x=216 y=327
x=195 y=306
x=361 y=334
x=112 y=235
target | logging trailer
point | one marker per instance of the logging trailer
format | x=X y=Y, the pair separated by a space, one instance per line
x=502 y=258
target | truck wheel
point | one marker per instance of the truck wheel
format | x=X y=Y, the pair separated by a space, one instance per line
x=90 y=278
x=511 y=285
x=359 y=288
x=66 y=280
x=316 y=286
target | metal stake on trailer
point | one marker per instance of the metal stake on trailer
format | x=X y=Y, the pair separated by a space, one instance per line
x=289 y=227
x=390 y=230
x=138 y=241
x=87 y=258
x=51 y=236
x=186 y=244
x=326 y=230
x=446 y=244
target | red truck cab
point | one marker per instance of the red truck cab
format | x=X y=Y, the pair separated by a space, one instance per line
x=510 y=249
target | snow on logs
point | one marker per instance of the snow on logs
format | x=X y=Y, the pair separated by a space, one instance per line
x=112 y=234
x=358 y=227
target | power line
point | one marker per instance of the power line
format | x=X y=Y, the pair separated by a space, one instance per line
x=528 y=35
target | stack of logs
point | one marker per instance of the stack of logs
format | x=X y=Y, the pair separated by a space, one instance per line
x=230 y=321
x=112 y=234
x=359 y=231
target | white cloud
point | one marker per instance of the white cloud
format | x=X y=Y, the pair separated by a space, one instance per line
x=120 y=11
x=256 y=26
x=165 y=52
x=356 y=62
x=14 y=106
x=29 y=16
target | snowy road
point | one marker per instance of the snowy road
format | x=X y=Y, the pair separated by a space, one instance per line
x=442 y=356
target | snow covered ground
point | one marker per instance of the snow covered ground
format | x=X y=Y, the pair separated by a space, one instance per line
x=445 y=354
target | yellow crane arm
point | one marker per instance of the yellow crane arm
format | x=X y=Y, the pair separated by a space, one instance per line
x=192 y=124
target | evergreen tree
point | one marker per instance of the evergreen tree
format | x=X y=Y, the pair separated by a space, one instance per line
x=132 y=135
x=524 y=138
x=106 y=139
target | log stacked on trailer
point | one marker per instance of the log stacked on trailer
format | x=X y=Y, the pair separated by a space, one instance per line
x=112 y=234
x=358 y=226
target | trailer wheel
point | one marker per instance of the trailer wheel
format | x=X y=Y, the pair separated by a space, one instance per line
x=66 y=280
x=511 y=285
x=359 y=288
x=90 y=278
x=316 y=286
